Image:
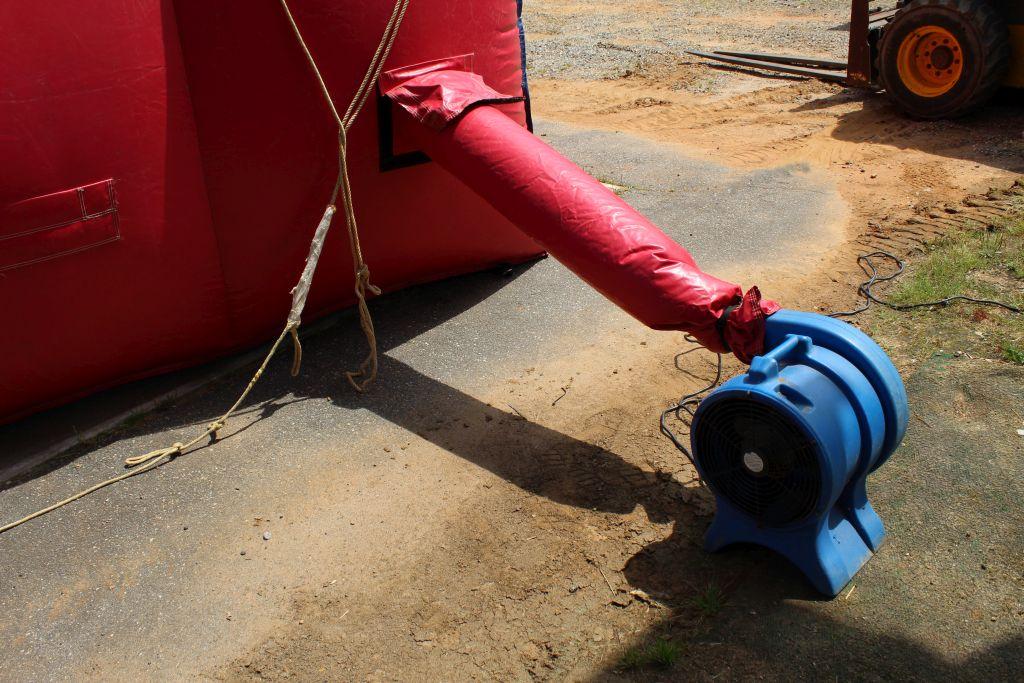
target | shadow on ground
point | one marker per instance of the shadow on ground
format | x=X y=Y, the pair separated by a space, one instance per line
x=535 y=458
x=331 y=344
x=980 y=137
x=942 y=598
x=940 y=601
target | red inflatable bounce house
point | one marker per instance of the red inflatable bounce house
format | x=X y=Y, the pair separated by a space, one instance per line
x=165 y=163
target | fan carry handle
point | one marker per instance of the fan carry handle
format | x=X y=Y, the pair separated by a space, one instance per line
x=765 y=367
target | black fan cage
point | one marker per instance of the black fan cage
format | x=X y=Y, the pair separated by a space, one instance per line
x=787 y=487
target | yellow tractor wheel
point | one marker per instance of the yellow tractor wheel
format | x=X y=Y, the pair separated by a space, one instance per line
x=944 y=58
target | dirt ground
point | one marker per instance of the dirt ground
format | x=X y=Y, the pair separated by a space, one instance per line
x=594 y=555
x=572 y=551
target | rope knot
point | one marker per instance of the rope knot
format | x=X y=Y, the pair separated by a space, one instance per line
x=363 y=281
x=158 y=454
x=213 y=428
x=368 y=369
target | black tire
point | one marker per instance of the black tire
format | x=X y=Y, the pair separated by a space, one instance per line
x=985 y=41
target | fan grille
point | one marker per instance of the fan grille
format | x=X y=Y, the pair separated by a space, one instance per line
x=759 y=459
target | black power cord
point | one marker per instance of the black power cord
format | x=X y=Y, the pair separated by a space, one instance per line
x=874 y=277
x=687 y=403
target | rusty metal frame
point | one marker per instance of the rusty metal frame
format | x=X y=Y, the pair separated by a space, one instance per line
x=858 y=64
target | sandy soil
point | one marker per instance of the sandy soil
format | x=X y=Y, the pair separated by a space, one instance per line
x=885 y=165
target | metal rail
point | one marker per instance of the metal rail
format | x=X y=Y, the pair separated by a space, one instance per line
x=856 y=72
x=778 y=63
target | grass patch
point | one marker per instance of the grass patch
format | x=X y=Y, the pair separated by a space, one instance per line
x=710 y=601
x=1013 y=353
x=661 y=654
x=984 y=263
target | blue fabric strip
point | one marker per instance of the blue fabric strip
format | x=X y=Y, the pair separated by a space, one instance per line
x=522 y=52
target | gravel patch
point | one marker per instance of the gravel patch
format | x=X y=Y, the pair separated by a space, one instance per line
x=602 y=39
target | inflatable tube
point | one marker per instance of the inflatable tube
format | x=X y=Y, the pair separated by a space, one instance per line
x=573 y=216
x=167 y=161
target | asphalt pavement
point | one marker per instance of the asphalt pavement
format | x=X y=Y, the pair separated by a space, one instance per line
x=121 y=577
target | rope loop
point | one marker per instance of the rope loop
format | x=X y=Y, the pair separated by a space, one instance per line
x=159 y=453
x=297 y=345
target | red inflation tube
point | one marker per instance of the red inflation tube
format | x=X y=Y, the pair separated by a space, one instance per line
x=578 y=220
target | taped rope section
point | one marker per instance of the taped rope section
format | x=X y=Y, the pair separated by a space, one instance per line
x=367 y=372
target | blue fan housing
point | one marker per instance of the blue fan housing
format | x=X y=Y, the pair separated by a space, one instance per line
x=787 y=447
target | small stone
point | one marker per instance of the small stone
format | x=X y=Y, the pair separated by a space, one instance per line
x=266 y=535
x=242 y=553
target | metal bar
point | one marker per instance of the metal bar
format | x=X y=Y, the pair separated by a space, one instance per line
x=875 y=20
x=822 y=74
x=879 y=20
x=788 y=60
x=859 y=61
x=882 y=15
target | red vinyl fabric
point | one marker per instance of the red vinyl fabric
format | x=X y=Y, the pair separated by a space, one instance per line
x=573 y=216
x=439 y=91
x=109 y=260
x=164 y=163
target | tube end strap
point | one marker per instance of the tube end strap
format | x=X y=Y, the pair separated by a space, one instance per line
x=721 y=323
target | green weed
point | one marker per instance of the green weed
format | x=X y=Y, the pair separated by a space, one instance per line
x=710 y=601
x=662 y=654
x=1013 y=353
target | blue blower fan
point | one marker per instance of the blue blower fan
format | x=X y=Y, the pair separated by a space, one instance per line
x=787 y=448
